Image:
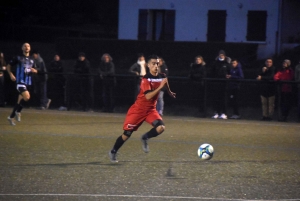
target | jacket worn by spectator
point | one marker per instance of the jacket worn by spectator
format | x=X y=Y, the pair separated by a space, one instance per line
x=236 y=73
x=198 y=72
x=136 y=67
x=267 y=89
x=285 y=74
x=82 y=67
x=56 y=68
x=221 y=68
x=42 y=75
x=107 y=73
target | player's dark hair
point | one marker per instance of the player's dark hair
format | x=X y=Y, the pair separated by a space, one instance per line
x=153 y=56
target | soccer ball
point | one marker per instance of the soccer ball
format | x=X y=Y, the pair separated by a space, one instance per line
x=205 y=151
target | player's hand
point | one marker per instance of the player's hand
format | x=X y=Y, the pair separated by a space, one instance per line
x=258 y=77
x=33 y=70
x=12 y=77
x=163 y=82
x=172 y=94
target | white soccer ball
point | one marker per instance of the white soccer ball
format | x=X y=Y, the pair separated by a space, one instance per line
x=205 y=151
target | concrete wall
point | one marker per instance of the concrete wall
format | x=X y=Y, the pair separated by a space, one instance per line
x=191 y=19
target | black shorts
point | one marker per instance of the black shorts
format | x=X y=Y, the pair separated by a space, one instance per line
x=21 y=88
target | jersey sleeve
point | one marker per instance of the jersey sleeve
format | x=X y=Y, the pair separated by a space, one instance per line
x=145 y=86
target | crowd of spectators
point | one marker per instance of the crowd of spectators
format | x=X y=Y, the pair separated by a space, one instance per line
x=50 y=81
x=227 y=73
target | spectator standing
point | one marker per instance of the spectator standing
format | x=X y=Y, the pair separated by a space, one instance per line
x=107 y=74
x=57 y=82
x=220 y=68
x=198 y=71
x=267 y=89
x=235 y=74
x=24 y=68
x=138 y=69
x=162 y=68
x=285 y=74
x=2 y=79
x=82 y=81
x=297 y=79
x=40 y=81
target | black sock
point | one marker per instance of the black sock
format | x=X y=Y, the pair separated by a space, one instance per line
x=119 y=142
x=13 y=114
x=152 y=133
x=20 y=106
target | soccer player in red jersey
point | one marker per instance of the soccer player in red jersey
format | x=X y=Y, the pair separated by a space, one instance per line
x=144 y=108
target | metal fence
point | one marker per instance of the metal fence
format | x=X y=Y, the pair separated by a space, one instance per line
x=197 y=95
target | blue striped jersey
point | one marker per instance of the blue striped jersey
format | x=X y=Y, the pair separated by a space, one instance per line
x=23 y=65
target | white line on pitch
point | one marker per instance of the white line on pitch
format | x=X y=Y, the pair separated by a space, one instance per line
x=140 y=196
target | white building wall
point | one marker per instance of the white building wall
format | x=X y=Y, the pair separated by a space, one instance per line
x=191 y=19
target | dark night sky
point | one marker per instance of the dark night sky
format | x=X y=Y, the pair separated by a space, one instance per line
x=73 y=13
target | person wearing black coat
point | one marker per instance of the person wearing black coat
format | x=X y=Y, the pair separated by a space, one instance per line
x=220 y=68
x=82 y=81
x=107 y=75
x=267 y=89
x=57 y=82
x=198 y=71
x=40 y=81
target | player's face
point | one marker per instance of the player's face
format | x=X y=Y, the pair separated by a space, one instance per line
x=153 y=66
x=26 y=48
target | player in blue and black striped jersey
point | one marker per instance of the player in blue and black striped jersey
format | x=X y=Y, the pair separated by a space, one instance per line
x=24 y=67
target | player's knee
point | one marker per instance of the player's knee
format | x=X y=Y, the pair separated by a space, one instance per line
x=159 y=126
x=26 y=98
x=160 y=129
x=126 y=135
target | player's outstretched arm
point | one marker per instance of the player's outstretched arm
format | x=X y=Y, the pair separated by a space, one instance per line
x=151 y=94
x=172 y=94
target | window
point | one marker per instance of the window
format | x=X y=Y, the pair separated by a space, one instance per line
x=157 y=25
x=216 y=28
x=257 y=23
